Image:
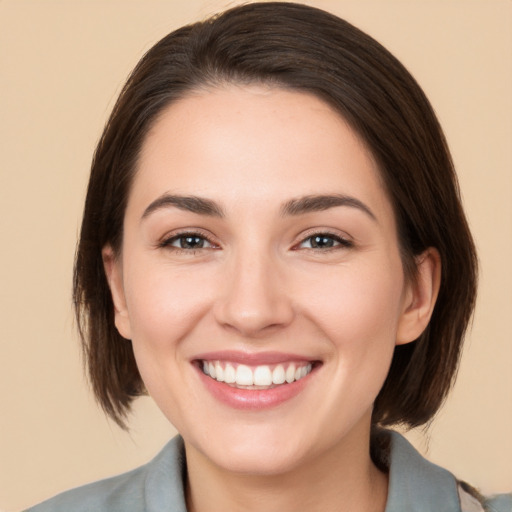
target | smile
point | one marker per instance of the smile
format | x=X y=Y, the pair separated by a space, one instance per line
x=256 y=377
x=255 y=381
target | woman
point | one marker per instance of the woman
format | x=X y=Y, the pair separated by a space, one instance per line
x=273 y=247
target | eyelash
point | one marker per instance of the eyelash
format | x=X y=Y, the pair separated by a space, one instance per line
x=341 y=243
x=167 y=242
x=338 y=242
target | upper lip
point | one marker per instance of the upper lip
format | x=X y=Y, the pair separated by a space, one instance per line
x=252 y=358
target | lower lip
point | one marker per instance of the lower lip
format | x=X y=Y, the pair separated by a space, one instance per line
x=253 y=399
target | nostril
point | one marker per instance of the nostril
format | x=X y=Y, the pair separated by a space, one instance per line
x=253 y=321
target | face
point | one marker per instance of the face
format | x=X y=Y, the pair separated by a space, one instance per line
x=260 y=279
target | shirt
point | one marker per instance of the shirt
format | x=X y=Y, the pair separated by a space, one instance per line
x=415 y=485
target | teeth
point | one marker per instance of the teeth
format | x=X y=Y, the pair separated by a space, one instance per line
x=290 y=373
x=229 y=374
x=219 y=372
x=244 y=376
x=260 y=376
x=278 y=375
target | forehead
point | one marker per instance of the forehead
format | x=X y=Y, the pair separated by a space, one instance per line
x=254 y=142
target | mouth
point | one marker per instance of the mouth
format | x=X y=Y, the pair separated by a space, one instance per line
x=255 y=381
x=242 y=376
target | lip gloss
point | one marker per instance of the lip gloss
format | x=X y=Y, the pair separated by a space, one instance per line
x=252 y=399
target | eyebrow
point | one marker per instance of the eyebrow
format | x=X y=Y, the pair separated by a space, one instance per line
x=293 y=207
x=317 y=203
x=193 y=204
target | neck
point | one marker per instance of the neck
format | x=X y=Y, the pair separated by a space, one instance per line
x=343 y=479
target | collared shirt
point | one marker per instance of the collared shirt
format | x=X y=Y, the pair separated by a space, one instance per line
x=415 y=485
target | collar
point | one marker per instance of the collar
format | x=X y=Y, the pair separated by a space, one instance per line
x=164 y=485
x=416 y=485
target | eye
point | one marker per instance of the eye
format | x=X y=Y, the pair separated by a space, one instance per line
x=324 y=241
x=188 y=242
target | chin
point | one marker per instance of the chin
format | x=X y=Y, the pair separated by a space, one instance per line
x=253 y=460
x=248 y=451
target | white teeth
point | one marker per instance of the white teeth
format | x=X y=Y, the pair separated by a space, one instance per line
x=262 y=376
x=229 y=374
x=219 y=372
x=211 y=370
x=244 y=376
x=290 y=373
x=278 y=375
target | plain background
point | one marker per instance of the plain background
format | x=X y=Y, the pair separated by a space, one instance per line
x=62 y=64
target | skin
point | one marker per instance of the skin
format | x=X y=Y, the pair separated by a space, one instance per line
x=258 y=284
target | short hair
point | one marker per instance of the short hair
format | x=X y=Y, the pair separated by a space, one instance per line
x=299 y=48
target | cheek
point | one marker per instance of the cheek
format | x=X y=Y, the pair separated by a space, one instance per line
x=373 y=313
x=360 y=316
x=360 y=319
x=164 y=307
x=361 y=306
x=164 y=303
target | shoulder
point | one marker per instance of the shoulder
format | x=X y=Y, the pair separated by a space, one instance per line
x=500 y=503
x=123 y=492
x=153 y=487
x=472 y=501
x=417 y=484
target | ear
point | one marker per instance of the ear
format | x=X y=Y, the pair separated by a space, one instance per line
x=114 y=272
x=420 y=297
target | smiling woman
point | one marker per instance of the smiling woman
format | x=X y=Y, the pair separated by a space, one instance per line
x=273 y=247
x=242 y=292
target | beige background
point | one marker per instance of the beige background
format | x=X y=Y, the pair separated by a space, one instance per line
x=61 y=65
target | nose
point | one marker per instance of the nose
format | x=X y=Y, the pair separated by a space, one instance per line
x=254 y=299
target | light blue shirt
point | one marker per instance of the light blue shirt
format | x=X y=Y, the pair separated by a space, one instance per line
x=415 y=485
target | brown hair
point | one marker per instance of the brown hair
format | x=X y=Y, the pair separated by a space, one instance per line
x=301 y=48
